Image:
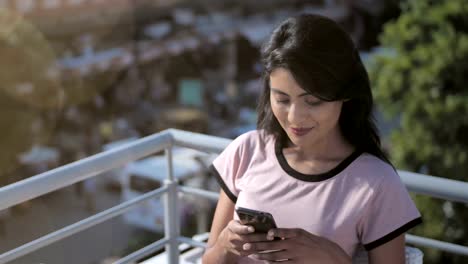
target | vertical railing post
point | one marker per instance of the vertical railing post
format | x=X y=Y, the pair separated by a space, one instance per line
x=171 y=217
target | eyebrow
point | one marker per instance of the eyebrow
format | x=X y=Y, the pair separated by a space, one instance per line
x=283 y=93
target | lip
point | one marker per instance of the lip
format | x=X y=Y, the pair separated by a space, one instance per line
x=300 y=131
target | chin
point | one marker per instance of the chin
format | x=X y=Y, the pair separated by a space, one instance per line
x=298 y=141
x=301 y=141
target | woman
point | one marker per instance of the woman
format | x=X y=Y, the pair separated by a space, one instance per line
x=315 y=162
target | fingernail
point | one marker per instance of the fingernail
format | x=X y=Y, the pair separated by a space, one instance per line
x=250 y=229
x=246 y=246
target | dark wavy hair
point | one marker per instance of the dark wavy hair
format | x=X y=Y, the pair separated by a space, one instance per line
x=324 y=61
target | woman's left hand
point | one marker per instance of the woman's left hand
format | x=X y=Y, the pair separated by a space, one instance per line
x=298 y=246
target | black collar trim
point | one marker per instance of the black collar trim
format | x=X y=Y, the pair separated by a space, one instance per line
x=313 y=177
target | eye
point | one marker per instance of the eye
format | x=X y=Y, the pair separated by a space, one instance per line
x=283 y=101
x=314 y=103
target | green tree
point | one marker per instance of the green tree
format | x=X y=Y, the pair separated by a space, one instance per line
x=424 y=83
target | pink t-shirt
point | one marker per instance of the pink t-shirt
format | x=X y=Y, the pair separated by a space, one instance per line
x=361 y=202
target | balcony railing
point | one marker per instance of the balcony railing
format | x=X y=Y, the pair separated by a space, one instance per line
x=61 y=177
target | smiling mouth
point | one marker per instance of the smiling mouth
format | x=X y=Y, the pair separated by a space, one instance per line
x=300 y=131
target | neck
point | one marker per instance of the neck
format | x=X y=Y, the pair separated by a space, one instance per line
x=333 y=146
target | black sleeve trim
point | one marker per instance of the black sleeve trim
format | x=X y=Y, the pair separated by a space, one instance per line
x=222 y=184
x=393 y=234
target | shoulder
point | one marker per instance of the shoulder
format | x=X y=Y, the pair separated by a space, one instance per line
x=369 y=162
x=375 y=171
x=252 y=139
x=240 y=153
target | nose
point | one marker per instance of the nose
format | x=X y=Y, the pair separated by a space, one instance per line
x=297 y=114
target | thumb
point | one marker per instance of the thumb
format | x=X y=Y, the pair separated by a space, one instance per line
x=240 y=229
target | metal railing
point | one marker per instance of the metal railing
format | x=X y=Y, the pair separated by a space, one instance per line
x=61 y=177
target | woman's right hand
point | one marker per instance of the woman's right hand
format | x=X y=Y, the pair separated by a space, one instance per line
x=235 y=235
x=227 y=236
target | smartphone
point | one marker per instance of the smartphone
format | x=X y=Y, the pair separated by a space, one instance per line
x=261 y=221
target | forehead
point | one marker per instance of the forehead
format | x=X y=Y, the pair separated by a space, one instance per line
x=283 y=81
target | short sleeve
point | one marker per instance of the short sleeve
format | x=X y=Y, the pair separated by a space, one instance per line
x=229 y=167
x=390 y=213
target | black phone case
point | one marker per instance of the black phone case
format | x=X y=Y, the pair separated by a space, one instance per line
x=261 y=221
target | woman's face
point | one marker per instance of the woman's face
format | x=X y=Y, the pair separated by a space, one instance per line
x=307 y=120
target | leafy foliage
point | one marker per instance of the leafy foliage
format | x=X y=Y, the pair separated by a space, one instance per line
x=425 y=84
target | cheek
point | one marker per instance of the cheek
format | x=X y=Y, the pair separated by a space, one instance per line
x=275 y=108
x=330 y=115
x=280 y=115
x=275 y=111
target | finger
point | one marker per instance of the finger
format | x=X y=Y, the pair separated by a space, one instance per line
x=244 y=249
x=244 y=242
x=237 y=248
x=240 y=252
x=240 y=229
x=285 y=233
x=240 y=240
x=241 y=244
x=262 y=246
x=281 y=255
x=255 y=237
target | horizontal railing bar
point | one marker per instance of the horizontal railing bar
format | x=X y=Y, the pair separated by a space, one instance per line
x=198 y=141
x=441 y=245
x=79 y=226
x=447 y=189
x=213 y=196
x=191 y=242
x=69 y=174
x=141 y=253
